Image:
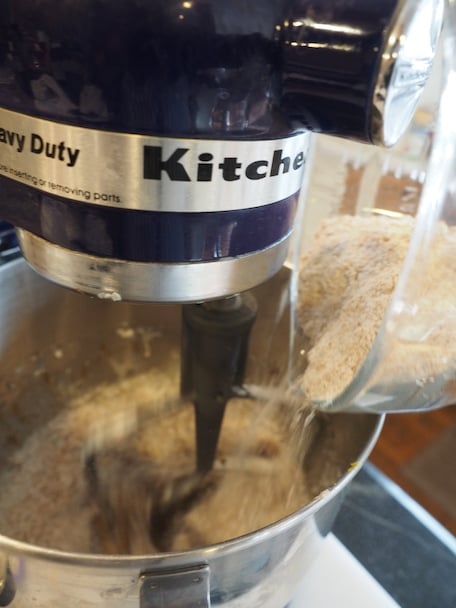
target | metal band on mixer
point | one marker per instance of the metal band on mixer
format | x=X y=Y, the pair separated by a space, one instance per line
x=149 y=173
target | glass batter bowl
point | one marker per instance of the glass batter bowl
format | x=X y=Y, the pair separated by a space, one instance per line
x=411 y=363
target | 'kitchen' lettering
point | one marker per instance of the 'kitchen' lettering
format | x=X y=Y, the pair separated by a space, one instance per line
x=230 y=167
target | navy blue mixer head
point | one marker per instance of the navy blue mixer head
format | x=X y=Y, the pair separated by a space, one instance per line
x=154 y=150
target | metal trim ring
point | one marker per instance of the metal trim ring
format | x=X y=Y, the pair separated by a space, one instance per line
x=150 y=172
x=116 y=280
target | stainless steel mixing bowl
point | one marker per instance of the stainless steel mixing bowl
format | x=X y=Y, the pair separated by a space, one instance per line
x=37 y=321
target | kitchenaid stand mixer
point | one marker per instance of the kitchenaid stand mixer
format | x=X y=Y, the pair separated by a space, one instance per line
x=156 y=151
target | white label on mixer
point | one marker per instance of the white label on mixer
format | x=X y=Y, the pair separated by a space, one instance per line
x=147 y=172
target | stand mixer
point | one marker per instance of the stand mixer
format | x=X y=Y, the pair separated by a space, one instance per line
x=155 y=151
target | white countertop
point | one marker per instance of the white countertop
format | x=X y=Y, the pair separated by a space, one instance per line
x=338 y=580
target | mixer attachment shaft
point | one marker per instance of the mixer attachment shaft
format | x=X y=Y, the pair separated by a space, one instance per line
x=214 y=354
